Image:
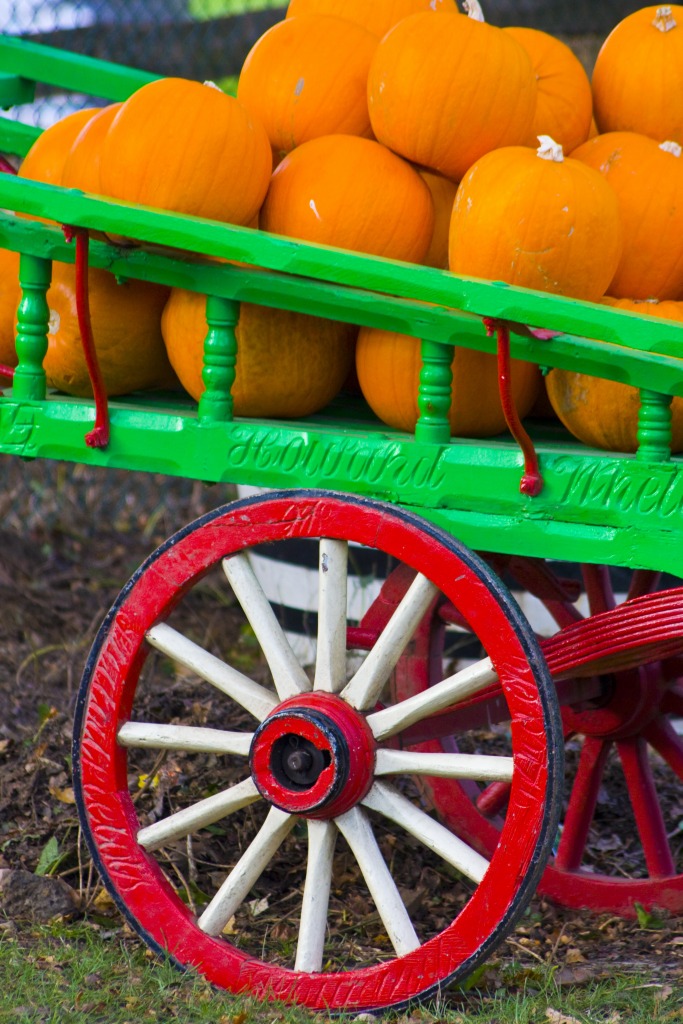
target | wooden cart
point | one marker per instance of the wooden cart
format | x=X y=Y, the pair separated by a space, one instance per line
x=381 y=749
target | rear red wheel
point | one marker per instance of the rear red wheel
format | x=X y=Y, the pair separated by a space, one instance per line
x=617 y=672
x=318 y=809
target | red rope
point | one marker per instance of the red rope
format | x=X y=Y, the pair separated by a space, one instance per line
x=6 y=167
x=532 y=481
x=98 y=437
x=6 y=371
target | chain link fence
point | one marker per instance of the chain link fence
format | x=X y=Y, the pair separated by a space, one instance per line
x=209 y=39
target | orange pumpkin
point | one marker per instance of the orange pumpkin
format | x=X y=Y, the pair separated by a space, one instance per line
x=537 y=220
x=604 y=413
x=10 y=294
x=307 y=76
x=82 y=164
x=388 y=369
x=378 y=16
x=638 y=75
x=288 y=364
x=444 y=89
x=178 y=145
x=352 y=193
x=564 y=107
x=443 y=196
x=126 y=325
x=46 y=158
x=647 y=180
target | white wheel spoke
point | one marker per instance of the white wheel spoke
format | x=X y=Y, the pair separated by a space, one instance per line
x=255 y=699
x=188 y=738
x=330 y=665
x=357 y=831
x=468 y=681
x=322 y=836
x=206 y=812
x=481 y=767
x=288 y=675
x=366 y=686
x=248 y=869
x=397 y=808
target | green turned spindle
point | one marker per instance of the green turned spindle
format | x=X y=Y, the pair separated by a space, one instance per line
x=33 y=315
x=654 y=427
x=220 y=354
x=434 y=393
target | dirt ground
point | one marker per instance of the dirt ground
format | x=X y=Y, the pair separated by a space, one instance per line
x=70 y=537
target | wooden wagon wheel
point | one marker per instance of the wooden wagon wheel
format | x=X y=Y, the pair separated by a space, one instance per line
x=320 y=767
x=618 y=673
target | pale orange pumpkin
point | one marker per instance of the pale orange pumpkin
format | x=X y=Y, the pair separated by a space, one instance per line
x=288 y=364
x=443 y=196
x=444 y=89
x=46 y=158
x=388 y=369
x=604 y=413
x=126 y=326
x=647 y=180
x=82 y=164
x=564 y=106
x=352 y=193
x=307 y=76
x=638 y=75
x=178 y=145
x=377 y=16
x=537 y=220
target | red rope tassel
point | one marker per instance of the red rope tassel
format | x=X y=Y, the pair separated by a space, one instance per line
x=99 y=435
x=532 y=481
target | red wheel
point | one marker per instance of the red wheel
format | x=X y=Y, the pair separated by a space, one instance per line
x=309 y=765
x=620 y=842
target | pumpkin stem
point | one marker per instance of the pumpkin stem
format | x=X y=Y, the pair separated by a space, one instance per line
x=473 y=10
x=549 y=149
x=664 y=19
x=671 y=147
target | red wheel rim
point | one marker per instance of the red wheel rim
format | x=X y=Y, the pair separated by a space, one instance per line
x=107 y=695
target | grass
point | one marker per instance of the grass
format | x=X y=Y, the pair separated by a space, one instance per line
x=85 y=973
x=204 y=10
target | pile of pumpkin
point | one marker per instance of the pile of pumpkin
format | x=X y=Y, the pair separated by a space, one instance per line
x=404 y=129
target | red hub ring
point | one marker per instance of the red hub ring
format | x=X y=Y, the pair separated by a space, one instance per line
x=314 y=756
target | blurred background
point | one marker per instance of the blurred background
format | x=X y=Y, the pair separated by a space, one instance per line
x=209 y=39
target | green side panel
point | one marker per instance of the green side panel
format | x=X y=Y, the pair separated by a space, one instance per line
x=601 y=340
x=594 y=506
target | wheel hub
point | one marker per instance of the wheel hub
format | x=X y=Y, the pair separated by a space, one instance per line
x=632 y=701
x=314 y=756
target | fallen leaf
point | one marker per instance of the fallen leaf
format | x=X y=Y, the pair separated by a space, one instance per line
x=230 y=927
x=575 y=956
x=555 y=1017
x=258 y=906
x=65 y=795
